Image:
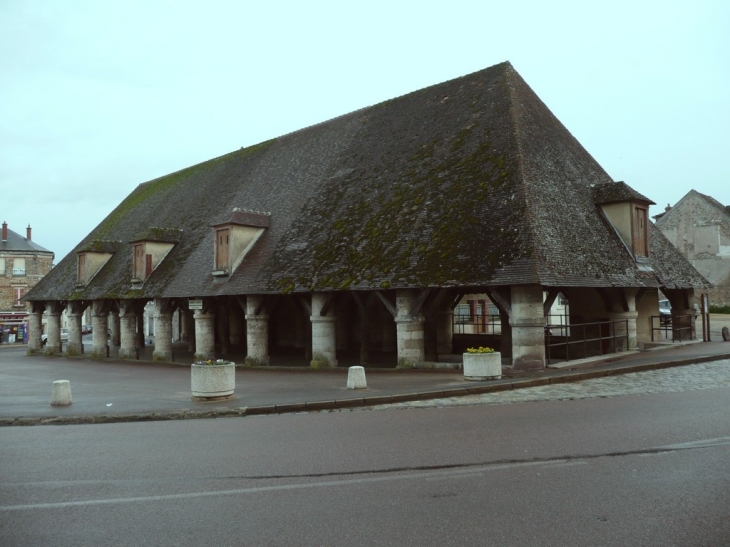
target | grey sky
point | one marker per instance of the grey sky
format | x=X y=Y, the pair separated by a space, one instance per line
x=97 y=96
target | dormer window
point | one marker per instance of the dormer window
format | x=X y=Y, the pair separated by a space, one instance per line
x=142 y=262
x=222 y=245
x=628 y=212
x=640 y=231
x=150 y=250
x=81 y=272
x=89 y=262
x=147 y=256
x=235 y=238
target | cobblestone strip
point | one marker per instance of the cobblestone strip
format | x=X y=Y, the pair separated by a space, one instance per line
x=685 y=378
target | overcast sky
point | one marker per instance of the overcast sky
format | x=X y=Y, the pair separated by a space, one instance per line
x=99 y=96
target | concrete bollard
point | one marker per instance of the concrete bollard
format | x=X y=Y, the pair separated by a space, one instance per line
x=725 y=334
x=61 y=393
x=356 y=378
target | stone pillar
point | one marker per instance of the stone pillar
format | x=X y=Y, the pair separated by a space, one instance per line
x=621 y=331
x=204 y=335
x=53 y=342
x=324 y=340
x=99 y=329
x=75 y=345
x=163 y=330
x=127 y=330
x=627 y=328
x=35 y=332
x=445 y=331
x=114 y=325
x=683 y=314
x=257 y=333
x=409 y=331
x=528 y=327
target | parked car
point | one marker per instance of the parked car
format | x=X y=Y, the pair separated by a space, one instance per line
x=64 y=337
x=86 y=329
x=665 y=312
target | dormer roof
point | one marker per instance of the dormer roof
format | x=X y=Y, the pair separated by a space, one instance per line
x=158 y=235
x=617 y=192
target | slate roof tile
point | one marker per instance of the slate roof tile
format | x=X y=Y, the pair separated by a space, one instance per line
x=471 y=182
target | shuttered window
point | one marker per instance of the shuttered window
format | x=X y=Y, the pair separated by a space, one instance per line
x=222 y=240
x=640 y=229
x=139 y=261
x=81 y=275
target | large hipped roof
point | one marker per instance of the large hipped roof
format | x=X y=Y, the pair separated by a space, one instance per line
x=472 y=182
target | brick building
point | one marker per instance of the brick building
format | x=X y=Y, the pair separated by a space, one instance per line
x=22 y=264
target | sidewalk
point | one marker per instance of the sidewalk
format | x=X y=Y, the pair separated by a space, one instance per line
x=110 y=390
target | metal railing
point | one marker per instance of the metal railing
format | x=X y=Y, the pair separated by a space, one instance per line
x=466 y=323
x=587 y=339
x=563 y=340
x=677 y=328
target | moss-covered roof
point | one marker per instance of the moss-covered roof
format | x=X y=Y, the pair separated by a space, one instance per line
x=158 y=235
x=472 y=182
x=99 y=246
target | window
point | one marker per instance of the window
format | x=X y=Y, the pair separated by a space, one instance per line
x=18 y=294
x=222 y=242
x=81 y=274
x=19 y=266
x=640 y=229
x=2 y=266
x=139 y=261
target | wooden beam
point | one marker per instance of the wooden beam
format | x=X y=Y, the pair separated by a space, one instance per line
x=360 y=304
x=500 y=300
x=606 y=298
x=331 y=300
x=387 y=303
x=306 y=304
x=419 y=302
x=549 y=301
x=457 y=298
x=623 y=300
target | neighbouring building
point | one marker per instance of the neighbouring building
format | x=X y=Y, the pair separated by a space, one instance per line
x=22 y=264
x=699 y=226
x=361 y=235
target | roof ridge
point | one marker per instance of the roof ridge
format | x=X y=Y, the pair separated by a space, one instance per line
x=506 y=64
x=511 y=74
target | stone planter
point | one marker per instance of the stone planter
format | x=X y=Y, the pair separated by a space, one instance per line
x=213 y=381
x=482 y=366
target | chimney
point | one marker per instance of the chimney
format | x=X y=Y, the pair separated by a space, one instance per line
x=27 y=230
x=5 y=231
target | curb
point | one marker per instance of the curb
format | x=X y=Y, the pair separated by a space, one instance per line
x=611 y=369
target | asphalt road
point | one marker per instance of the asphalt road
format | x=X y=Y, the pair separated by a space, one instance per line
x=648 y=469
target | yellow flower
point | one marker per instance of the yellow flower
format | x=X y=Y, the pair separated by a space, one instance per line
x=480 y=349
